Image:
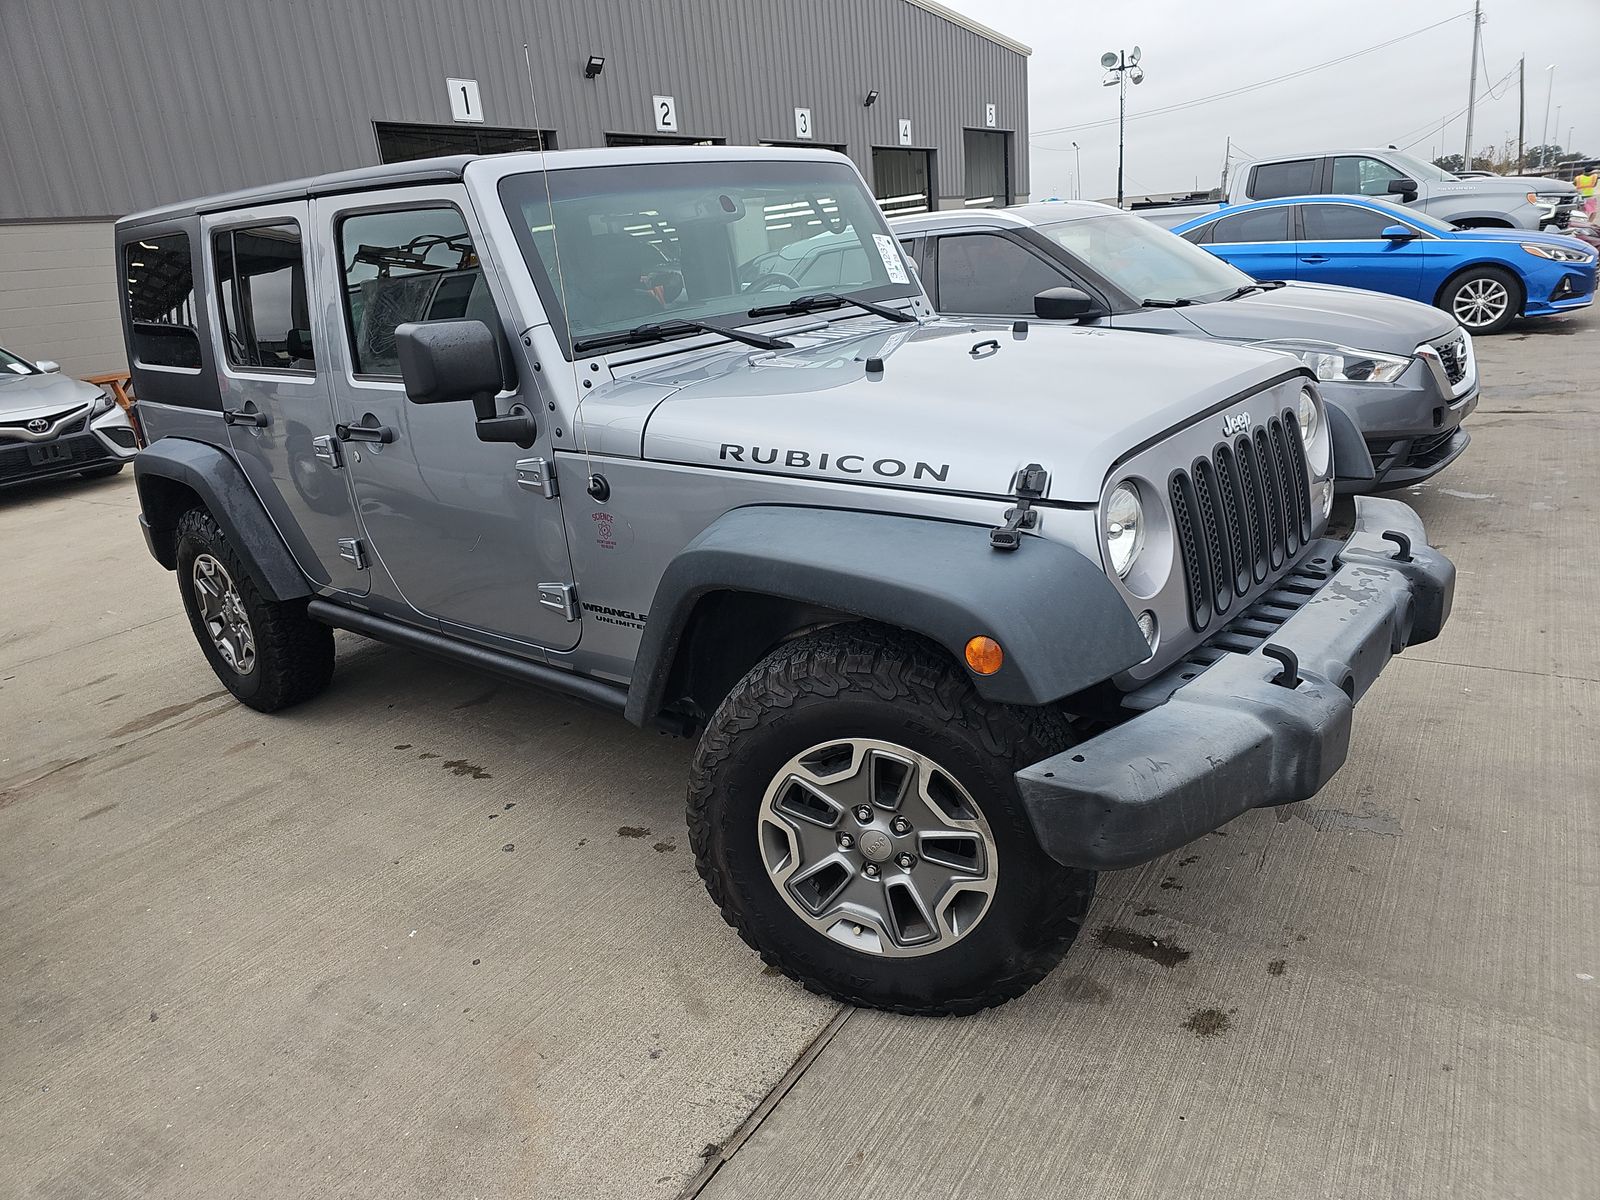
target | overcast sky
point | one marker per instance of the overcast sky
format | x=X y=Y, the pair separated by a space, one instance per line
x=1399 y=94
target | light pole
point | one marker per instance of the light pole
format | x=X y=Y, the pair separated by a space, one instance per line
x=1077 y=178
x=1124 y=67
x=1544 y=137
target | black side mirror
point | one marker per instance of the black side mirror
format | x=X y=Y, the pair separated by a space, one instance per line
x=1397 y=233
x=297 y=344
x=1406 y=189
x=445 y=361
x=1065 y=304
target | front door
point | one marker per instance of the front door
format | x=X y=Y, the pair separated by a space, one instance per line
x=1340 y=243
x=462 y=536
x=273 y=381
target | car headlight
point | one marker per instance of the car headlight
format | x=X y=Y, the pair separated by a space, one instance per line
x=1341 y=364
x=1556 y=253
x=103 y=403
x=1124 y=528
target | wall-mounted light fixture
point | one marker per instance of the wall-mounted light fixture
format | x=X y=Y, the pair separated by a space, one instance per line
x=872 y=98
x=594 y=66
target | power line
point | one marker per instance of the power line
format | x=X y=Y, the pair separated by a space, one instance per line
x=1438 y=130
x=1250 y=87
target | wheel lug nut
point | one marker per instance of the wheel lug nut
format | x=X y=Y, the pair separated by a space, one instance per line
x=846 y=841
x=864 y=814
x=870 y=870
x=901 y=826
x=906 y=861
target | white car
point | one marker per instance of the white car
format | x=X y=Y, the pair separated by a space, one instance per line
x=53 y=425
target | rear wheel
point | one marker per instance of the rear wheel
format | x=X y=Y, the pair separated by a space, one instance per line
x=1483 y=299
x=267 y=652
x=854 y=815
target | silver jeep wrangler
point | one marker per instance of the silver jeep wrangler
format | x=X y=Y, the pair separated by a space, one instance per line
x=961 y=612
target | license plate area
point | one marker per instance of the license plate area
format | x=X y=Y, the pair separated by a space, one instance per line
x=51 y=452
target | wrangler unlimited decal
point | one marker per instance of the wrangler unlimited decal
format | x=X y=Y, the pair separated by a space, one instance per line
x=850 y=464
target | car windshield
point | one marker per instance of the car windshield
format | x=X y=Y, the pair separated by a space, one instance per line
x=10 y=364
x=1410 y=216
x=1146 y=261
x=648 y=244
x=1418 y=169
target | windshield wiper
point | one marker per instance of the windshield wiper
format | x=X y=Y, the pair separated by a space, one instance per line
x=1264 y=286
x=820 y=300
x=1180 y=302
x=661 y=330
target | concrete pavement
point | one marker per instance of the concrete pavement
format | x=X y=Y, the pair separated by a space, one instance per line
x=431 y=935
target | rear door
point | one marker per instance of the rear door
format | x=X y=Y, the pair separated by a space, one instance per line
x=273 y=381
x=1340 y=243
x=1259 y=241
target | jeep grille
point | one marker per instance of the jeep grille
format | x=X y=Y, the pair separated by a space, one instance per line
x=1240 y=514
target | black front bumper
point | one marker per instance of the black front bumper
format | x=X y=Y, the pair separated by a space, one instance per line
x=1244 y=733
x=25 y=462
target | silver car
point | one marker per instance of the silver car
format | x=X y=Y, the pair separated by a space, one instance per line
x=53 y=425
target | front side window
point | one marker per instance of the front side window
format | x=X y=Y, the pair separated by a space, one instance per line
x=1272 y=180
x=633 y=246
x=416 y=264
x=1342 y=223
x=989 y=275
x=1144 y=261
x=1262 y=225
x=10 y=364
x=161 y=305
x=261 y=294
x=1358 y=175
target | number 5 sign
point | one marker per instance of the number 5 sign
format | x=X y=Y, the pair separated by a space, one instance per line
x=666 y=113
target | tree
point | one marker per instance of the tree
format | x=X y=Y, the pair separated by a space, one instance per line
x=1552 y=155
x=1450 y=162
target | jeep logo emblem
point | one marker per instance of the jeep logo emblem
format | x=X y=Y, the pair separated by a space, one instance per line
x=1237 y=423
x=38 y=425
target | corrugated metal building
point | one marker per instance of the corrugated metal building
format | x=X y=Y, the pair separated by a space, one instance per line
x=107 y=107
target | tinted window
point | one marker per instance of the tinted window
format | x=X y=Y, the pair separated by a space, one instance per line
x=1271 y=180
x=1356 y=175
x=261 y=293
x=1342 y=223
x=415 y=265
x=986 y=274
x=160 y=281
x=1263 y=225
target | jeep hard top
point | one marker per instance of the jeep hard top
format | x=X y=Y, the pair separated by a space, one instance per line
x=961 y=612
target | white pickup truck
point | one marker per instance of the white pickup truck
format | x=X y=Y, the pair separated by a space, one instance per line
x=1492 y=202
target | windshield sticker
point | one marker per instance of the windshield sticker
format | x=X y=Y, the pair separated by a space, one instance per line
x=890 y=254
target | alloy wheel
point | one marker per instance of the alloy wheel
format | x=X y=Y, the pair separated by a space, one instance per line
x=1481 y=302
x=222 y=613
x=877 y=847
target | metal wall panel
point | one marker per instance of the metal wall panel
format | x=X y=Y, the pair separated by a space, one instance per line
x=108 y=106
x=58 y=295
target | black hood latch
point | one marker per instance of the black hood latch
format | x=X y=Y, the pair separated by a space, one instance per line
x=1030 y=485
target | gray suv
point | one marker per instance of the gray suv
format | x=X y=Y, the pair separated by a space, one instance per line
x=1399 y=377
x=961 y=613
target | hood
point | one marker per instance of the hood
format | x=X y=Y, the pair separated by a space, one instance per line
x=23 y=397
x=1324 y=313
x=1501 y=236
x=957 y=407
x=1495 y=185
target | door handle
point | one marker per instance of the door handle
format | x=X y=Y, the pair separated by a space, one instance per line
x=1314 y=258
x=241 y=416
x=363 y=432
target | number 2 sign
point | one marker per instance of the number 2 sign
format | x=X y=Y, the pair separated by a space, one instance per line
x=464 y=105
x=666 y=113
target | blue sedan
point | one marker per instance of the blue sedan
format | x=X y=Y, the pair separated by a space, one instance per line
x=1485 y=278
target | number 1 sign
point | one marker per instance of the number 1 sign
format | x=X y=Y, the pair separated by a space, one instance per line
x=464 y=105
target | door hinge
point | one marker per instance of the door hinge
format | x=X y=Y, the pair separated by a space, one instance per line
x=352 y=551
x=537 y=475
x=326 y=448
x=562 y=597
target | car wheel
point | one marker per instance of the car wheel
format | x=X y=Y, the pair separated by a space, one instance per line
x=103 y=471
x=268 y=653
x=854 y=815
x=1483 y=299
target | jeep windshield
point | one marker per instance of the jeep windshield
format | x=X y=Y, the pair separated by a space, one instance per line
x=1155 y=267
x=645 y=248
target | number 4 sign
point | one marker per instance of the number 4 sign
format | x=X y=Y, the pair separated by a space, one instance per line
x=464 y=104
x=666 y=113
x=905 y=131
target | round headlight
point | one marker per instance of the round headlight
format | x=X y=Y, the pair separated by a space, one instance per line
x=1124 y=527
x=1308 y=415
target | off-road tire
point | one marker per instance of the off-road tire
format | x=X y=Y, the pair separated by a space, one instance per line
x=294 y=654
x=1472 y=276
x=868 y=681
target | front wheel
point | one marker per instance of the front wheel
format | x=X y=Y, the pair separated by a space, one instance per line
x=854 y=815
x=1484 y=299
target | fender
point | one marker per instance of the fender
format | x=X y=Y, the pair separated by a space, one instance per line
x=1061 y=623
x=220 y=484
x=1351 y=458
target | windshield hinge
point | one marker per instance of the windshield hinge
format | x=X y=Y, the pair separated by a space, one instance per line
x=1030 y=485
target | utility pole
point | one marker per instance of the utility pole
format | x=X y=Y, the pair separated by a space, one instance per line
x=1544 y=136
x=1124 y=66
x=1472 y=84
x=1227 y=158
x=1077 y=177
x=1522 y=104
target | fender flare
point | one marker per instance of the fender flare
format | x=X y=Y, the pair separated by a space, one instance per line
x=219 y=483
x=1061 y=623
x=1351 y=459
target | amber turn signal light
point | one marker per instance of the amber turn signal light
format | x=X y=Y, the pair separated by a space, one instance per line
x=984 y=655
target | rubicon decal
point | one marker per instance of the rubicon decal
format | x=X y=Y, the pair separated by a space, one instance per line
x=824 y=460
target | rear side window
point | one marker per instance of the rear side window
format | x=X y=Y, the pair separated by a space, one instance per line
x=1297 y=177
x=1263 y=225
x=161 y=303
x=1342 y=223
x=412 y=265
x=261 y=294
x=989 y=275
